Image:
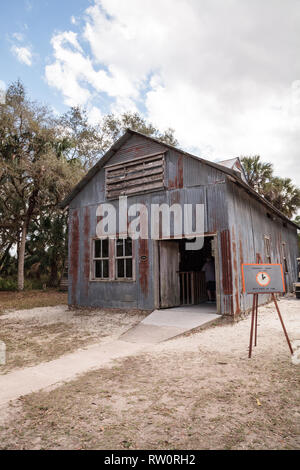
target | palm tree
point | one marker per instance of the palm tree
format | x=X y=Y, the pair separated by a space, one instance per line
x=297 y=221
x=279 y=191
x=257 y=172
x=283 y=194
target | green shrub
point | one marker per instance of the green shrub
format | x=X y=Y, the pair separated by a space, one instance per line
x=11 y=284
x=8 y=284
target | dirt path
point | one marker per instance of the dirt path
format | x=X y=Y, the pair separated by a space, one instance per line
x=53 y=373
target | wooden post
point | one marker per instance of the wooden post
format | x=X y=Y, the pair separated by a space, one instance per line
x=258 y=260
x=252 y=325
x=256 y=311
x=281 y=320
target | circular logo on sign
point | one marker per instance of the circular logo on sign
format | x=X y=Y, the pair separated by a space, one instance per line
x=263 y=279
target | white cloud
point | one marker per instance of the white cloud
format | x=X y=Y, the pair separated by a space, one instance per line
x=225 y=75
x=18 y=36
x=2 y=91
x=94 y=115
x=23 y=54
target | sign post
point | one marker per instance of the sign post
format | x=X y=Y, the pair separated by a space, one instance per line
x=263 y=279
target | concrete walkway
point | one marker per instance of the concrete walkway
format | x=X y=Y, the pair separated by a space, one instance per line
x=66 y=368
x=158 y=326
x=164 y=324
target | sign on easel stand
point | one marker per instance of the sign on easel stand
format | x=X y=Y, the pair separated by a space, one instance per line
x=263 y=279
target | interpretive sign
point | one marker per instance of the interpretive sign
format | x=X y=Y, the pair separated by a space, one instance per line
x=263 y=278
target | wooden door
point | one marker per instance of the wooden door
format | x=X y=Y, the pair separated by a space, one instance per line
x=169 y=274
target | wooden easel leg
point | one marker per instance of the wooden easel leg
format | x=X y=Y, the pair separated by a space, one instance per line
x=281 y=320
x=252 y=325
x=256 y=309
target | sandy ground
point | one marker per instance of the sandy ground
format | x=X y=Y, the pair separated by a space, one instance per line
x=41 y=334
x=199 y=391
x=31 y=299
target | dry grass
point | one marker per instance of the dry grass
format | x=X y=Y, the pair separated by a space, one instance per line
x=42 y=334
x=170 y=401
x=31 y=299
x=197 y=392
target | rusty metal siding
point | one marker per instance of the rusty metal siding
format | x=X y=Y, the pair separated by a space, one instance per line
x=141 y=292
x=115 y=294
x=74 y=258
x=93 y=193
x=217 y=212
x=197 y=173
x=175 y=170
x=249 y=224
x=238 y=220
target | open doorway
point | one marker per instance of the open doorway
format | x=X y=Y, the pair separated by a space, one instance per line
x=197 y=273
x=187 y=277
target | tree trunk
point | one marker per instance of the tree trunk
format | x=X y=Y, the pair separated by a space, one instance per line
x=22 y=246
x=21 y=257
x=53 y=281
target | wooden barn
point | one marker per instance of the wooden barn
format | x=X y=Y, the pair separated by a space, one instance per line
x=147 y=273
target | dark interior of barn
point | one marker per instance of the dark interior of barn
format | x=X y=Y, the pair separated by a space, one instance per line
x=192 y=278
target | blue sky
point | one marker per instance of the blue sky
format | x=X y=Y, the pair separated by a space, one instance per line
x=36 y=21
x=224 y=74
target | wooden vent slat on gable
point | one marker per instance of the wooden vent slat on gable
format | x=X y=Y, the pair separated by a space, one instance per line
x=135 y=176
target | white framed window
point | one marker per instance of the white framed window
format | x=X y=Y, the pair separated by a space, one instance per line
x=124 y=258
x=100 y=265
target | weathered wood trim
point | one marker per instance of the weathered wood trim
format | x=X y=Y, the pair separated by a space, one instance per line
x=134 y=160
x=136 y=176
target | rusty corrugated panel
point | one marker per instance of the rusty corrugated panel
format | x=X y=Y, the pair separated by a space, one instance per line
x=175 y=170
x=226 y=262
x=74 y=255
x=236 y=273
x=180 y=171
x=241 y=251
x=143 y=261
x=217 y=212
x=86 y=254
x=197 y=173
x=227 y=305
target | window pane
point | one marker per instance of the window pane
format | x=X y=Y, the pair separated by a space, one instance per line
x=105 y=248
x=128 y=247
x=105 y=268
x=97 y=249
x=98 y=272
x=120 y=268
x=129 y=267
x=120 y=247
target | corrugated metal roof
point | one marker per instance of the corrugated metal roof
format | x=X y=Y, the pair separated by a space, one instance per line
x=228 y=163
x=236 y=164
x=235 y=176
